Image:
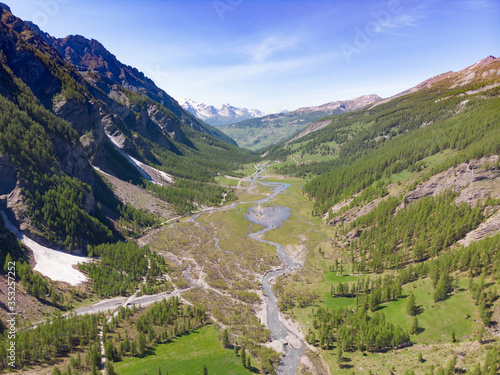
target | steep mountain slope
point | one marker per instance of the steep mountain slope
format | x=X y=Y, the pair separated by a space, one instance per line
x=61 y=120
x=410 y=193
x=226 y=114
x=271 y=129
x=102 y=69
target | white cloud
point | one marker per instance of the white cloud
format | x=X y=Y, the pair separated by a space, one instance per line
x=264 y=49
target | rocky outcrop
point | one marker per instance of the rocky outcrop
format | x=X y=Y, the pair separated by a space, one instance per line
x=103 y=70
x=473 y=181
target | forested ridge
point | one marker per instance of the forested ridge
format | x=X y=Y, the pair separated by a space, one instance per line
x=409 y=189
x=55 y=201
x=384 y=140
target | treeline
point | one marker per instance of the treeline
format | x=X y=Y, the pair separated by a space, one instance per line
x=372 y=292
x=121 y=268
x=356 y=330
x=56 y=338
x=389 y=239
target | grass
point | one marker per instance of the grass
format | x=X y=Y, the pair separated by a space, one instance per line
x=438 y=319
x=246 y=170
x=222 y=180
x=186 y=355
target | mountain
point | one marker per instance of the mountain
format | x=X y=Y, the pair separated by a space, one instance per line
x=69 y=109
x=226 y=114
x=268 y=130
x=455 y=113
x=101 y=68
x=409 y=190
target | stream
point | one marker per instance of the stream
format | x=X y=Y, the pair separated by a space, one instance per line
x=272 y=218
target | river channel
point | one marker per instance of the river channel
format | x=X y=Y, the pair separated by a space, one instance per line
x=272 y=217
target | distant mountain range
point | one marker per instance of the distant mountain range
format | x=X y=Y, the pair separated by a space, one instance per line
x=268 y=130
x=226 y=114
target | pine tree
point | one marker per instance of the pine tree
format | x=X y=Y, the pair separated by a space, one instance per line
x=249 y=363
x=142 y=343
x=411 y=306
x=480 y=335
x=450 y=367
x=243 y=356
x=340 y=353
x=225 y=339
x=6 y=266
x=414 y=326
x=110 y=369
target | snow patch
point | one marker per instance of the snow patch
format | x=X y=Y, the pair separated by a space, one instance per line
x=139 y=165
x=54 y=264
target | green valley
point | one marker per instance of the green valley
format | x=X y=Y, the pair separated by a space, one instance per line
x=363 y=238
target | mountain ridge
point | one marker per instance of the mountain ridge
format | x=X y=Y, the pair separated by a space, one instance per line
x=225 y=115
x=271 y=129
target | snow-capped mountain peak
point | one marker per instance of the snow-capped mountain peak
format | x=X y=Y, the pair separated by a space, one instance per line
x=226 y=114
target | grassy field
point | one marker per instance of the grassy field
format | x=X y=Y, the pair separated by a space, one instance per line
x=437 y=320
x=222 y=180
x=186 y=355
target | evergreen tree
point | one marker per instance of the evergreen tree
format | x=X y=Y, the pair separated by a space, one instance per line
x=340 y=353
x=480 y=335
x=411 y=306
x=450 y=367
x=205 y=370
x=414 y=326
x=8 y=259
x=110 y=369
x=443 y=287
x=142 y=343
x=243 y=356
x=225 y=339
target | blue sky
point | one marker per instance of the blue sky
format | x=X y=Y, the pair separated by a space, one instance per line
x=276 y=54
